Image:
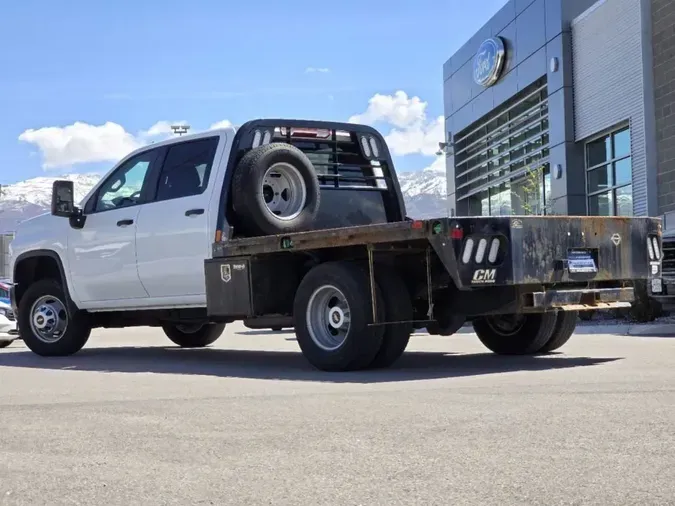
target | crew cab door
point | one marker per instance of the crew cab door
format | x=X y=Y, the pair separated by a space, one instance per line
x=102 y=254
x=173 y=236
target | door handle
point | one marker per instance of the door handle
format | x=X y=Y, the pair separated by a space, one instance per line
x=125 y=223
x=194 y=212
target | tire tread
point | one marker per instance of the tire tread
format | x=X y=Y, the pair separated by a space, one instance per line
x=363 y=342
x=77 y=333
x=565 y=325
x=531 y=339
x=205 y=336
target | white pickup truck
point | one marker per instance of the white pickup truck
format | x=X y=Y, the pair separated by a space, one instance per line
x=305 y=220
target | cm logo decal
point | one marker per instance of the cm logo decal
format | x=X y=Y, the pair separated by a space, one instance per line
x=484 y=276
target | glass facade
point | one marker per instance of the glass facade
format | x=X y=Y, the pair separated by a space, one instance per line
x=501 y=162
x=609 y=174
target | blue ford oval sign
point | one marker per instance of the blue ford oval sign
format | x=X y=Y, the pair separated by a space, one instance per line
x=489 y=62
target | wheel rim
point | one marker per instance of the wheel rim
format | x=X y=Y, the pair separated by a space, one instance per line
x=48 y=319
x=328 y=318
x=506 y=325
x=284 y=192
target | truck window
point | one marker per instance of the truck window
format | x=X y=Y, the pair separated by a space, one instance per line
x=187 y=168
x=124 y=186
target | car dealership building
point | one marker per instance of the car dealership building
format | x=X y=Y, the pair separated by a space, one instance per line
x=564 y=107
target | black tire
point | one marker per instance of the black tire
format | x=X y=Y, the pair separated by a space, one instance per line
x=77 y=330
x=565 y=324
x=248 y=197
x=397 y=306
x=529 y=338
x=361 y=343
x=199 y=338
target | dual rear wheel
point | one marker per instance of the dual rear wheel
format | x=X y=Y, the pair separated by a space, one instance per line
x=333 y=316
x=526 y=334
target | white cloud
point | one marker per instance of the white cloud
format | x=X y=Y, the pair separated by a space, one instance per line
x=413 y=132
x=313 y=70
x=221 y=124
x=397 y=109
x=84 y=143
x=80 y=143
x=420 y=138
x=162 y=129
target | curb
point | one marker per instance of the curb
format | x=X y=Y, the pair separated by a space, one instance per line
x=620 y=329
x=624 y=329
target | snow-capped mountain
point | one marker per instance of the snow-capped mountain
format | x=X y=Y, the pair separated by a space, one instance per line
x=32 y=197
x=424 y=192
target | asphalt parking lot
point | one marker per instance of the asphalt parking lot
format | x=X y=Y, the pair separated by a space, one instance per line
x=131 y=420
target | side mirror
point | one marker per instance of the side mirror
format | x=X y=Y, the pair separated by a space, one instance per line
x=63 y=199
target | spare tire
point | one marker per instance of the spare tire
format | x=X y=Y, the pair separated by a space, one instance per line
x=275 y=190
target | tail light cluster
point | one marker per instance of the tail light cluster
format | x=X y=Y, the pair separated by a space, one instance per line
x=369 y=146
x=479 y=249
x=653 y=248
x=261 y=138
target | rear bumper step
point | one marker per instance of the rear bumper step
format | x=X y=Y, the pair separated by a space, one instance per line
x=583 y=300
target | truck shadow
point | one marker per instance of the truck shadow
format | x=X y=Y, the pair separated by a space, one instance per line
x=290 y=366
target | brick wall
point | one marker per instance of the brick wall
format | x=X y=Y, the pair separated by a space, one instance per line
x=663 y=46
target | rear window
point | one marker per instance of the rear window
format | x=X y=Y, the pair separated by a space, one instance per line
x=338 y=159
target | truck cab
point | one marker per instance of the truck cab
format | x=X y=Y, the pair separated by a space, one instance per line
x=142 y=233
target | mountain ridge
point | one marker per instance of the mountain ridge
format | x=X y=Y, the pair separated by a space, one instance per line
x=424 y=193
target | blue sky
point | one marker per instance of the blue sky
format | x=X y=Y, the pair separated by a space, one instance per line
x=115 y=69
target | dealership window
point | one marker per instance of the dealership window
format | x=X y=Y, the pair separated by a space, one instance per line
x=501 y=161
x=609 y=174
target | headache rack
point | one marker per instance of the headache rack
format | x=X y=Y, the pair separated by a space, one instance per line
x=344 y=159
x=345 y=156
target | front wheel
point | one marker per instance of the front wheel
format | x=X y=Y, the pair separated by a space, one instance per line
x=45 y=323
x=193 y=336
x=515 y=334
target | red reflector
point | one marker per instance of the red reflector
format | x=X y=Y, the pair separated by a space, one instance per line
x=457 y=233
x=417 y=224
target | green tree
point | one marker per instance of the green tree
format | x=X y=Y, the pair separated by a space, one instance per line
x=530 y=193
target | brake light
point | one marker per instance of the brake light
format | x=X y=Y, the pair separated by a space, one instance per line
x=490 y=248
x=417 y=224
x=657 y=250
x=468 y=249
x=494 y=251
x=365 y=146
x=308 y=133
x=480 y=252
x=457 y=232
